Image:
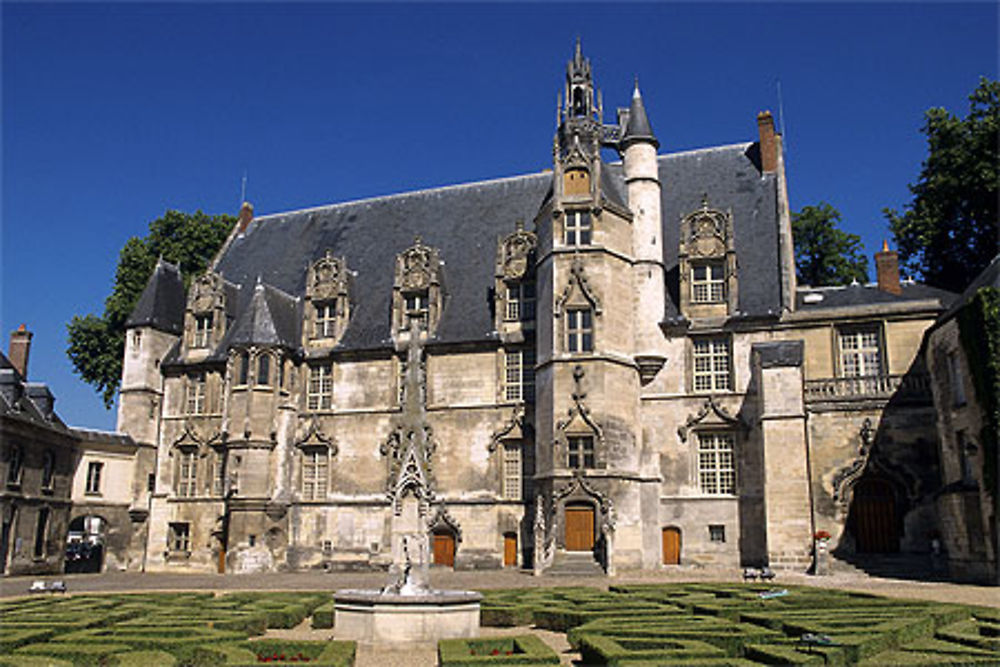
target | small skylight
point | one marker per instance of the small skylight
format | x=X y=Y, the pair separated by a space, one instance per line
x=812 y=297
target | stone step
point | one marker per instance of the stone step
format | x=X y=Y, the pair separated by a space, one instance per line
x=575 y=564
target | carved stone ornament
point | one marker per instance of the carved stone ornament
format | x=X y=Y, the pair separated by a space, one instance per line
x=514 y=253
x=327 y=278
x=577 y=280
x=206 y=293
x=868 y=461
x=513 y=429
x=191 y=438
x=710 y=413
x=417 y=267
x=442 y=519
x=578 y=412
x=579 y=486
x=706 y=231
x=312 y=436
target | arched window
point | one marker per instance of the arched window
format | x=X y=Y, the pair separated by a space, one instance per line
x=264 y=369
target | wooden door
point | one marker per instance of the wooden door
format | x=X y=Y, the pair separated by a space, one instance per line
x=579 y=528
x=510 y=550
x=874 y=514
x=671 y=546
x=444 y=549
x=222 y=561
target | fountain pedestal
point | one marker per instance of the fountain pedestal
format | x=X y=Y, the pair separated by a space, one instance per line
x=394 y=617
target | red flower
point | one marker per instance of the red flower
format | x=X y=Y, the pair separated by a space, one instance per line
x=822 y=535
x=495 y=651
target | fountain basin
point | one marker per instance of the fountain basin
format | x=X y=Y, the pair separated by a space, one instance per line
x=374 y=616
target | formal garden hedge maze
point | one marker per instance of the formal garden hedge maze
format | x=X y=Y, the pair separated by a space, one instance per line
x=168 y=629
x=633 y=626
x=740 y=624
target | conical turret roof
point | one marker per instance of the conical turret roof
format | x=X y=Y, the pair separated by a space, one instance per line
x=638 y=127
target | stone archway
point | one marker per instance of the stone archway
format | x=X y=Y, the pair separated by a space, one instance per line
x=85 y=544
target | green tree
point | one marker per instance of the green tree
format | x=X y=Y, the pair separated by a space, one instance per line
x=96 y=344
x=948 y=234
x=824 y=253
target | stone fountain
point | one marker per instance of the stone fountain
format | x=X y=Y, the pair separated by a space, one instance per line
x=408 y=609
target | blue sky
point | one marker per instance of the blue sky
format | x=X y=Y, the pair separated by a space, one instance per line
x=114 y=113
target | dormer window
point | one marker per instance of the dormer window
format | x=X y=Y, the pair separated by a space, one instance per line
x=416 y=309
x=708 y=282
x=326 y=319
x=577 y=229
x=202 y=330
x=520 y=306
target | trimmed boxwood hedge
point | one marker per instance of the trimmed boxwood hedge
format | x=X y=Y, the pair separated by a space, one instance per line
x=523 y=649
x=256 y=652
x=323 y=616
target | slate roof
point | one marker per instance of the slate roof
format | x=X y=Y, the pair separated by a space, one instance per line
x=990 y=277
x=271 y=318
x=856 y=295
x=161 y=305
x=465 y=221
x=21 y=400
x=638 y=128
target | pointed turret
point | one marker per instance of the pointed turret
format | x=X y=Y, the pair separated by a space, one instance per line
x=638 y=128
x=161 y=305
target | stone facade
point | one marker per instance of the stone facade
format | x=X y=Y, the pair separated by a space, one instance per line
x=637 y=380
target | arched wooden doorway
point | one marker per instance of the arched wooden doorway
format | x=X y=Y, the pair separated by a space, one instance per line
x=579 y=527
x=443 y=544
x=873 y=512
x=671 y=545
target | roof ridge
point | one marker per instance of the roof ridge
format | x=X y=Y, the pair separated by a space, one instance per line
x=401 y=195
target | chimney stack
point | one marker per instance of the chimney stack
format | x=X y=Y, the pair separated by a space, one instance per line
x=246 y=216
x=768 y=142
x=887 y=268
x=20 y=346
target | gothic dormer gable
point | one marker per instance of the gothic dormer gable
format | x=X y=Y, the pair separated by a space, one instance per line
x=577 y=292
x=707 y=263
x=205 y=318
x=328 y=301
x=417 y=293
x=514 y=285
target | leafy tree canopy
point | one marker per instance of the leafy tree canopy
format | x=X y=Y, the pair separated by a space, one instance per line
x=824 y=253
x=948 y=234
x=97 y=344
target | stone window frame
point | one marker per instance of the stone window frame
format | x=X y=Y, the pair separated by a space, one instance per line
x=717 y=533
x=202 y=332
x=218 y=481
x=577 y=446
x=518 y=379
x=713 y=374
x=48 y=471
x=325 y=319
x=706 y=237
x=196 y=393
x=577 y=295
x=418 y=275
x=956 y=378
x=186 y=472
x=858 y=331
x=263 y=375
x=179 y=537
x=512 y=469
x=205 y=314
x=15 y=465
x=314 y=468
x=319 y=386
x=135 y=338
x=709 y=288
x=580 y=232
x=95 y=470
x=515 y=291
x=520 y=300
x=579 y=330
x=719 y=485
x=43 y=519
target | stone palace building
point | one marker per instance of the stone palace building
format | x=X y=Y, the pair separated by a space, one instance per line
x=601 y=366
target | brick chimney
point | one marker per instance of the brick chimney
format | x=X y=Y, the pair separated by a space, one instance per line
x=246 y=216
x=20 y=346
x=887 y=268
x=768 y=142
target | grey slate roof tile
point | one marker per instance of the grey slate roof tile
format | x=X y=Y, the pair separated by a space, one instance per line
x=866 y=295
x=161 y=305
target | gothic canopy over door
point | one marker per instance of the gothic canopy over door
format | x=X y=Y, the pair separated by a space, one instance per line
x=579 y=527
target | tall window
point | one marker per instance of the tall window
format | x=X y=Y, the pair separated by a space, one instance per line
x=202 y=330
x=48 y=470
x=320 y=391
x=716 y=465
x=415 y=304
x=41 y=529
x=581 y=452
x=15 y=462
x=955 y=375
x=520 y=302
x=196 y=394
x=94 y=471
x=860 y=354
x=243 y=369
x=708 y=283
x=264 y=370
x=711 y=364
x=579 y=330
x=326 y=319
x=187 y=472
x=179 y=537
x=519 y=375
x=136 y=338
x=315 y=472
x=219 y=473
x=577 y=228
x=511 y=481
